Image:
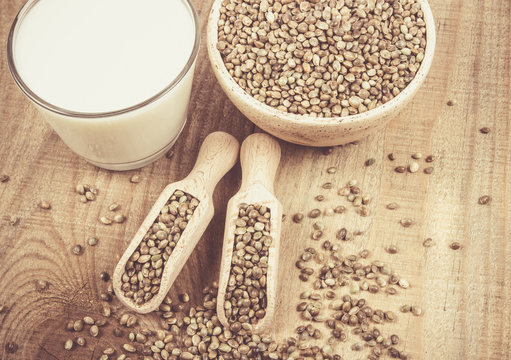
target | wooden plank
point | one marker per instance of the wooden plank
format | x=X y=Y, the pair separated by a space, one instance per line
x=464 y=293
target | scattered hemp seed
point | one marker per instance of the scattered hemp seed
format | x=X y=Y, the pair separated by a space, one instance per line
x=88 y=320
x=314 y=213
x=184 y=298
x=455 y=246
x=406 y=222
x=135 y=179
x=114 y=207
x=298 y=217
x=392 y=249
x=429 y=170
x=80 y=341
x=104 y=276
x=4 y=178
x=485 y=130
x=92 y=241
x=105 y=220
x=77 y=249
x=327 y=185
x=169 y=154
x=331 y=170
x=68 y=345
x=416 y=310
x=430 y=158
x=78 y=325
x=392 y=206
x=400 y=169
x=405 y=308
x=428 y=243
x=484 y=200
x=94 y=331
x=417 y=156
x=45 y=205
x=119 y=218
x=319 y=198
x=451 y=102
x=413 y=167
x=391 y=157
x=41 y=285
x=339 y=209
x=327 y=150
x=369 y=162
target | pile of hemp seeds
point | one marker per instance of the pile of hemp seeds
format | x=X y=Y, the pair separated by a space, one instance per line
x=143 y=271
x=323 y=58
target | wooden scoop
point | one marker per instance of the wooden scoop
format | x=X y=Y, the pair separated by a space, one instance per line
x=260 y=157
x=217 y=155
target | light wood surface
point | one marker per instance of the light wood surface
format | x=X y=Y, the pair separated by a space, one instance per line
x=259 y=159
x=217 y=155
x=465 y=294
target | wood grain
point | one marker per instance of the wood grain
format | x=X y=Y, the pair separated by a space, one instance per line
x=465 y=293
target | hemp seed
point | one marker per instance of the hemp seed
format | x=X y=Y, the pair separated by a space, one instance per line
x=485 y=130
x=484 y=200
x=4 y=178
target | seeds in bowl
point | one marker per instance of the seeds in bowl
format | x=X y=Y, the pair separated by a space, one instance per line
x=245 y=296
x=143 y=271
x=322 y=58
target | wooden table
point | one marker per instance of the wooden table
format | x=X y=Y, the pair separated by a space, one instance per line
x=465 y=293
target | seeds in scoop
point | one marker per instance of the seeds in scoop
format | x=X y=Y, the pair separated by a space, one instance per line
x=142 y=277
x=298 y=217
x=310 y=58
x=455 y=246
x=68 y=345
x=77 y=249
x=4 y=178
x=484 y=200
x=104 y=276
x=413 y=167
x=245 y=295
x=429 y=170
x=400 y=169
x=45 y=205
x=485 y=130
x=370 y=162
x=119 y=218
x=135 y=179
x=105 y=220
x=92 y=241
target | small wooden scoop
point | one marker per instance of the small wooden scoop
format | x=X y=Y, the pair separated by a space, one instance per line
x=217 y=155
x=260 y=157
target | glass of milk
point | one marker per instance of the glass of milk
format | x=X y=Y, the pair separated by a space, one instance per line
x=112 y=77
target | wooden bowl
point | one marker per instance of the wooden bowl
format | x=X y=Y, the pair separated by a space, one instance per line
x=308 y=130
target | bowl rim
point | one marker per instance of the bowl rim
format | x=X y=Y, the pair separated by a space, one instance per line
x=289 y=118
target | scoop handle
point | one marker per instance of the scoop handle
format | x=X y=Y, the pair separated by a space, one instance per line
x=260 y=157
x=217 y=156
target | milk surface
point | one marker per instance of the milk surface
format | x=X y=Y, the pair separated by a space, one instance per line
x=102 y=55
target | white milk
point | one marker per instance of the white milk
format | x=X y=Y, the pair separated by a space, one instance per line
x=104 y=56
